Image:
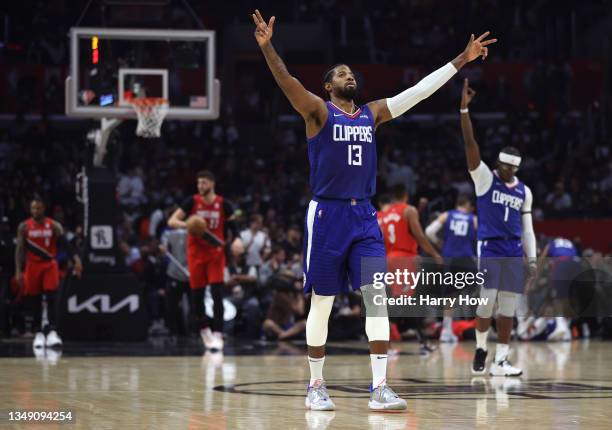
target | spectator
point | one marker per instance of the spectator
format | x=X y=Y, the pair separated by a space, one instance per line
x=558 y=201
x=256 y=241
x=131 y=188
x=286 y=318
x=293 y=243
x=241 y=280
x=174 y=243
x=275 y=265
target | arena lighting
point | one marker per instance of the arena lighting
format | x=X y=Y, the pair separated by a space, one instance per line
x=95 y=53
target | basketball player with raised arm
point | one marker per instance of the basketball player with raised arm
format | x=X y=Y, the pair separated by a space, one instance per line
x=341 y=225
x=505 y=233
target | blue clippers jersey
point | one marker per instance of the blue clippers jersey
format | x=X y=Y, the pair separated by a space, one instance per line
x=459 y=235
x=343 y=156
x=499 y=210
x=561 y=247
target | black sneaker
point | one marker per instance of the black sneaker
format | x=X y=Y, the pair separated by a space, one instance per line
x=479 y=363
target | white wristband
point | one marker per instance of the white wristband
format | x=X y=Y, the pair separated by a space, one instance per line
x=464 y=110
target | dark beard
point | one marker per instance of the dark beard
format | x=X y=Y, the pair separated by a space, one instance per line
x=348 y=93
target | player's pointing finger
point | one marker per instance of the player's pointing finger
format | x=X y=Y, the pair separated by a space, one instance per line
x=271 y=23
x=259 y=16
x=483 y=35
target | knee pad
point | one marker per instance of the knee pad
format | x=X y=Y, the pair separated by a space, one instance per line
x=486 y=310
x=377 y=328
x=507 y=303
x=368 y=294
x=318 y=319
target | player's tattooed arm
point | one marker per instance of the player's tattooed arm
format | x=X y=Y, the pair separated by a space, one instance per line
x=472 y=151
x=311 y=107
x=20 y=252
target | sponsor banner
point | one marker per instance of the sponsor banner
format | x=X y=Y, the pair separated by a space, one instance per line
x=102 y=307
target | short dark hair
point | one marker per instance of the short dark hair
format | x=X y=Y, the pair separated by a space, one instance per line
x=207 y=174
x=511 y=150
x=384 y=199
x=329 y=75
x=462 y=199
x=37 y=198
x=398 y=191
x=255 y=216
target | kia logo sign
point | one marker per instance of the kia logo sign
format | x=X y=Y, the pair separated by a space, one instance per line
x=101 y=304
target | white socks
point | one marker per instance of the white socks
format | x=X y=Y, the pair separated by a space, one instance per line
x=379 y=369
x=481 y=339
x=501 y=352
x=561 y=323
x=316 y=369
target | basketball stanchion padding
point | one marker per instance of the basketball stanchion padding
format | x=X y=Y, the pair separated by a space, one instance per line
x=151 y=112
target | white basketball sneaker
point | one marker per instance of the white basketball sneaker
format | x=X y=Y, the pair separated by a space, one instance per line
x=447 y=336
x=383 y=398
x=317 y=397
x=561 y=332
x=207 y=337
x=504 y=368
x=39 y=340
x=53 y=340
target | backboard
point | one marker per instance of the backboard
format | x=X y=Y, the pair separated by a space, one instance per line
x=110 y=65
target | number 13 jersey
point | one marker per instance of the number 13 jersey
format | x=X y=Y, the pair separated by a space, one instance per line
x=343 y=155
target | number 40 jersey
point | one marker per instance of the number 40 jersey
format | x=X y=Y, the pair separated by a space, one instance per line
x=459 y=235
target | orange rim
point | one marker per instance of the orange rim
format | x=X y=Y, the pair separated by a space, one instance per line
x=148 y=101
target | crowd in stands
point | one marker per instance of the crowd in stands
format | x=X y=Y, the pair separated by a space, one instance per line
x=261 y=165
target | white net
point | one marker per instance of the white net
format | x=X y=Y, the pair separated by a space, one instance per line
x=151 y=112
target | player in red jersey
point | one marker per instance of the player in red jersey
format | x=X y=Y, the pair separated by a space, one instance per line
x=206 y=254
x=37 y=239
x=402 y=230
x=403 y=234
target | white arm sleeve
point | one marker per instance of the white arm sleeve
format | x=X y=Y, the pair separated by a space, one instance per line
x=483 y=178
x=529 y=239
x=424 y=88
x=432 y=230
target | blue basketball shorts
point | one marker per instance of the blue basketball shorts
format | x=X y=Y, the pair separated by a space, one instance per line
x=503 y=266
x=563 y=271
x=343 y=246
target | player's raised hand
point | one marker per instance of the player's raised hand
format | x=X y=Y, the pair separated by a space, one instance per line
x=467 y=94
x=478 y=47
x=263 y=31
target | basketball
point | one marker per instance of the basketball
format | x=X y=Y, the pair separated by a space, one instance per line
x=196 y=225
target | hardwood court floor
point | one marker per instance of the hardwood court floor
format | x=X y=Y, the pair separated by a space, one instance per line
x=564 y=386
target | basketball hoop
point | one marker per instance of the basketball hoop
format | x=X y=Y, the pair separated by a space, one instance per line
x=151 y=112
